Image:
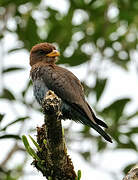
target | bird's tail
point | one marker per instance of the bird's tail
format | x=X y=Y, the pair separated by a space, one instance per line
x=94 y=123
x=100 y=131
x=97 y=127
x=99 y=122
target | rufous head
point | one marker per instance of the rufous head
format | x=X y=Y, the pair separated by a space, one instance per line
x=43 y=52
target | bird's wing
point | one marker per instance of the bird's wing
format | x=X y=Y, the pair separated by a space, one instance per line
x=66 y=85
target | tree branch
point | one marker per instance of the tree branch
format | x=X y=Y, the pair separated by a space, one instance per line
x=55 y=163
x=132 y=174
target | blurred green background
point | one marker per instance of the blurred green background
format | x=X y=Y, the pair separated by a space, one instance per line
x=95 y=37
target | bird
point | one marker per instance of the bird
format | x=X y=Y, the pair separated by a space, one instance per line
x=46 y=75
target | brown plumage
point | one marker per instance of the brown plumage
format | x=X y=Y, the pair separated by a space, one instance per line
x=46 y=75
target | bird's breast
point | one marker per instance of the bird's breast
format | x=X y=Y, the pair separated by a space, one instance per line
x=40 y=90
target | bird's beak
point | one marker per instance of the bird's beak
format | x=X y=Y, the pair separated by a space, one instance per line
x=54 y=53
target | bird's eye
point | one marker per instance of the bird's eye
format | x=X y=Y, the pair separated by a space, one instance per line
x=41 y=52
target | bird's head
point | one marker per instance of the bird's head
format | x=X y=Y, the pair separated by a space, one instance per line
x=45 y=52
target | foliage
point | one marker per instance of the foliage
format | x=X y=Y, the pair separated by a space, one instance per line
x=86 y=28
x=78 y=175
x=28 y=147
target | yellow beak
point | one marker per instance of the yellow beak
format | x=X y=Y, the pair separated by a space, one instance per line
x=54 y=53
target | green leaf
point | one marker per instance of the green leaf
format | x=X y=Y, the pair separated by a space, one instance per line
x=26 y=88
x=99 y=87
x=17 y=2
x=33 y=154
x=44 y=141
x=101 y=145
x=133 y=130
x=86 y=132
x=76 y=59
x=35 y=143
x=129 y=167
x=63 y=132
x=115 y=110
x=15 y=49
x=1 y=117
x=79 y=174
x=29 y=149
x=87 y=89
x=9 y=136
x=132 y=115
x=7 y=95
x=28 y=34
x=1 y=36
x=49 y=178
x=17 y=120
x=86 y=155
x=129 y=145
x=11 y=69
x=57 y=28
x=25 y=141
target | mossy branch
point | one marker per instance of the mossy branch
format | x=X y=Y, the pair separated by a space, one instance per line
x=132 y=174
x=55 y=163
